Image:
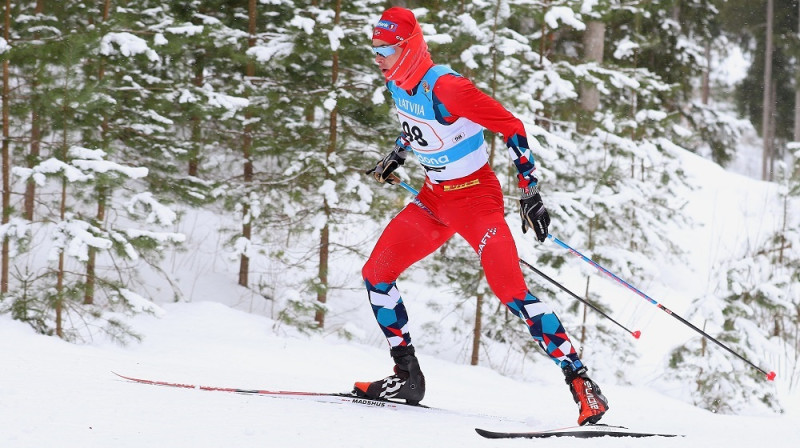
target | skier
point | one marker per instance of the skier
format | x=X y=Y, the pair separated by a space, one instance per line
x=443 y=116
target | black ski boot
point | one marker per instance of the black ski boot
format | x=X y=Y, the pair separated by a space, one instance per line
x=407 y=383
x=592 y=404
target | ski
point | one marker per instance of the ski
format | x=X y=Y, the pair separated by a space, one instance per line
x=325 y=397
x=582 y=432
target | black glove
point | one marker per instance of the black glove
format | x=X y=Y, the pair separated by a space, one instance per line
x=533 y=213
x=384 y=168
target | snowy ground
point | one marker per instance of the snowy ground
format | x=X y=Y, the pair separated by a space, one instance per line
x=57 y=394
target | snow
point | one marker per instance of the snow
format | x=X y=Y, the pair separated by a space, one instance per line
x=625 y=48
x=77 y=238
x=218 y=337
x=90 y=160
x=377 y=96
x=231 y=103
x=733 y=69
x=305 y=23
x=156 y=212
x=335 y=36
x=276 y=49
x=564 y=15
x=50 y=166
x=127 y=44
x=84 y=404
x=186 y=29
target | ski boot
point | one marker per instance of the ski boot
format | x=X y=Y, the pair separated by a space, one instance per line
x=407 y=383
x=592 y=404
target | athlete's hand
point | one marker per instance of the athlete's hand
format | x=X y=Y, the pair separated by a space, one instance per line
x=385 y=167
x=533 y=213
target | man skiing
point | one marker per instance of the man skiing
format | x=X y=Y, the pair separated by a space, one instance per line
x=443 y=116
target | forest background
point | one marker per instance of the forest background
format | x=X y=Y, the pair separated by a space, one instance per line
x=124 y=121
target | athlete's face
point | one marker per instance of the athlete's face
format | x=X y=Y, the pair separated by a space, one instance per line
x=386 y=62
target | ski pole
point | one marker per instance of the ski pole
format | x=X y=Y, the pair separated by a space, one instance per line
x=635 y=334
x=409 y=188
x=770 y=375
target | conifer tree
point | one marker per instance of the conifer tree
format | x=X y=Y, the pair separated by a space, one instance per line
x=332 y=127
x=71 y=240
x=752 y=308
x=6 y=156
x=745 y=22
x=80 y=101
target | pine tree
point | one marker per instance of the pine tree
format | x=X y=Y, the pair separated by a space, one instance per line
x=6 y=156
x=71 y=240
x=753 y=310
x=331 y=128
x=740 y=314
x=746 y=22
x=80 y=101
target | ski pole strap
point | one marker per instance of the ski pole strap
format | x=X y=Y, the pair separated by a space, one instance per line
x=770 y=375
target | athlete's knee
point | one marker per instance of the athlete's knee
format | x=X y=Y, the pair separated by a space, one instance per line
x=508 y=288
x=528 y=307
x=372 y=272
x=367 y=271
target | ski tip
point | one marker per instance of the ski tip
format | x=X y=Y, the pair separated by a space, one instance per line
x=636 y=334
x=486 y=434
x=771 y=376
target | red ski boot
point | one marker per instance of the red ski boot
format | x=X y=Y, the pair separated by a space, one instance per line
x=592 y=403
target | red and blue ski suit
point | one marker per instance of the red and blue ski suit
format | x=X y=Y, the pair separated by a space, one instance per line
x=443 y=119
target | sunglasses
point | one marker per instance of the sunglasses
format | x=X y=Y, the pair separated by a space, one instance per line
x=385 y=50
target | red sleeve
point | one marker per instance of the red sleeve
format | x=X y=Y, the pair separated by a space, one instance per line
x=462 y=99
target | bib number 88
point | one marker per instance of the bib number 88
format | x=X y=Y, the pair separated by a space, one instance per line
x=414 y=134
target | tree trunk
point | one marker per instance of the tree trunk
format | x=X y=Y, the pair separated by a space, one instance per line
x=194 y=157
x=767 y=106
x=36 y=135
x=797 y=92
x=91 y=263
x=797 y=114
x=247 y=143
x=33 y=155
x=783 y=230
x=543 y=122
x=59 y=305
x=585 y=315
x=6 y=156
x=478 y=328
x=476 y=332
x=543 y=41
x=706 y=83
x=324 y=239
x=773 y=150
x=493 y=140
x=91 y=276
x=593 y=46
x=60 y=273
